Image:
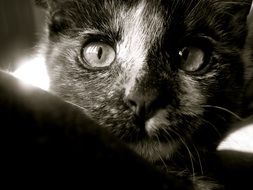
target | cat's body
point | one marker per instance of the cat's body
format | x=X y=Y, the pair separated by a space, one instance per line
x=163 y=76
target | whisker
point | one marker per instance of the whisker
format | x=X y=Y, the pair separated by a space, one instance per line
x=82 y=108
x=212 y=125
x=169 y=136
x=159 y=155
x=224 y=109
x=188 y=150
x=199 y=160
x=191 y=159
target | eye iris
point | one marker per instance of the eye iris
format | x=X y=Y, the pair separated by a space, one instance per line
x=98 y=55
x=192 y=59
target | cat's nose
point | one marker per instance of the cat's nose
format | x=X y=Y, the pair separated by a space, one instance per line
x=140 y=104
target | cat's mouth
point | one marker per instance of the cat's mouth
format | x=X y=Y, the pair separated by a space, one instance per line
x=153 y=129
x=152 y=138
x=156 y=123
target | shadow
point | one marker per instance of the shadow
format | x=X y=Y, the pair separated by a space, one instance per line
x=235 y=169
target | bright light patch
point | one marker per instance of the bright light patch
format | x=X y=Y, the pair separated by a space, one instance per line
x=241 y=140
x=33 y=71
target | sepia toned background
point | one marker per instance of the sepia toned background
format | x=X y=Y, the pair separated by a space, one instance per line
x=21 y=27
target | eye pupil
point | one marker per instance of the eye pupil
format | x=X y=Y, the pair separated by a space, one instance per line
x=100 y=52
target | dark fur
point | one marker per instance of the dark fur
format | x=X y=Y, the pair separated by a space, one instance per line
x=195 y=123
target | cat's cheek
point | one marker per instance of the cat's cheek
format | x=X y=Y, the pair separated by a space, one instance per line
x=191 y=96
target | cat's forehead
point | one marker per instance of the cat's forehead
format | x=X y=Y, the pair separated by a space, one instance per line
x=140 y=27
x=114 y=16
x=152 y=17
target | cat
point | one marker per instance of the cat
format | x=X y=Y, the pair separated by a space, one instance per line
x=166 y=77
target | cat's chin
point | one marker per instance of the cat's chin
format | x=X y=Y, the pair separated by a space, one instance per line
x=149 y=143
x=154 y=151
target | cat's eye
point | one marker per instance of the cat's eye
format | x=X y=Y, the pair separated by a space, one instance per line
x=192 y=58
x=98 y=55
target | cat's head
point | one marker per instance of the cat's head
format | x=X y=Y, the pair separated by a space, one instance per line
x=156 y=74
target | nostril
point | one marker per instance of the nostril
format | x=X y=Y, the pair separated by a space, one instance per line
x=136 y=105
x=141 y=104
x=132 y=103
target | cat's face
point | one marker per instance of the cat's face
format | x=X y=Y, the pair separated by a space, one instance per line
x=151 y=72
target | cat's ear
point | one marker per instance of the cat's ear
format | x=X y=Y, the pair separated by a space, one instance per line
x=58 y=17
x=42 y=3
x=48 y=4
x=236 y=5
x=250 y=16
x=238 y=10
x=234 y=19
x=248 y=60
